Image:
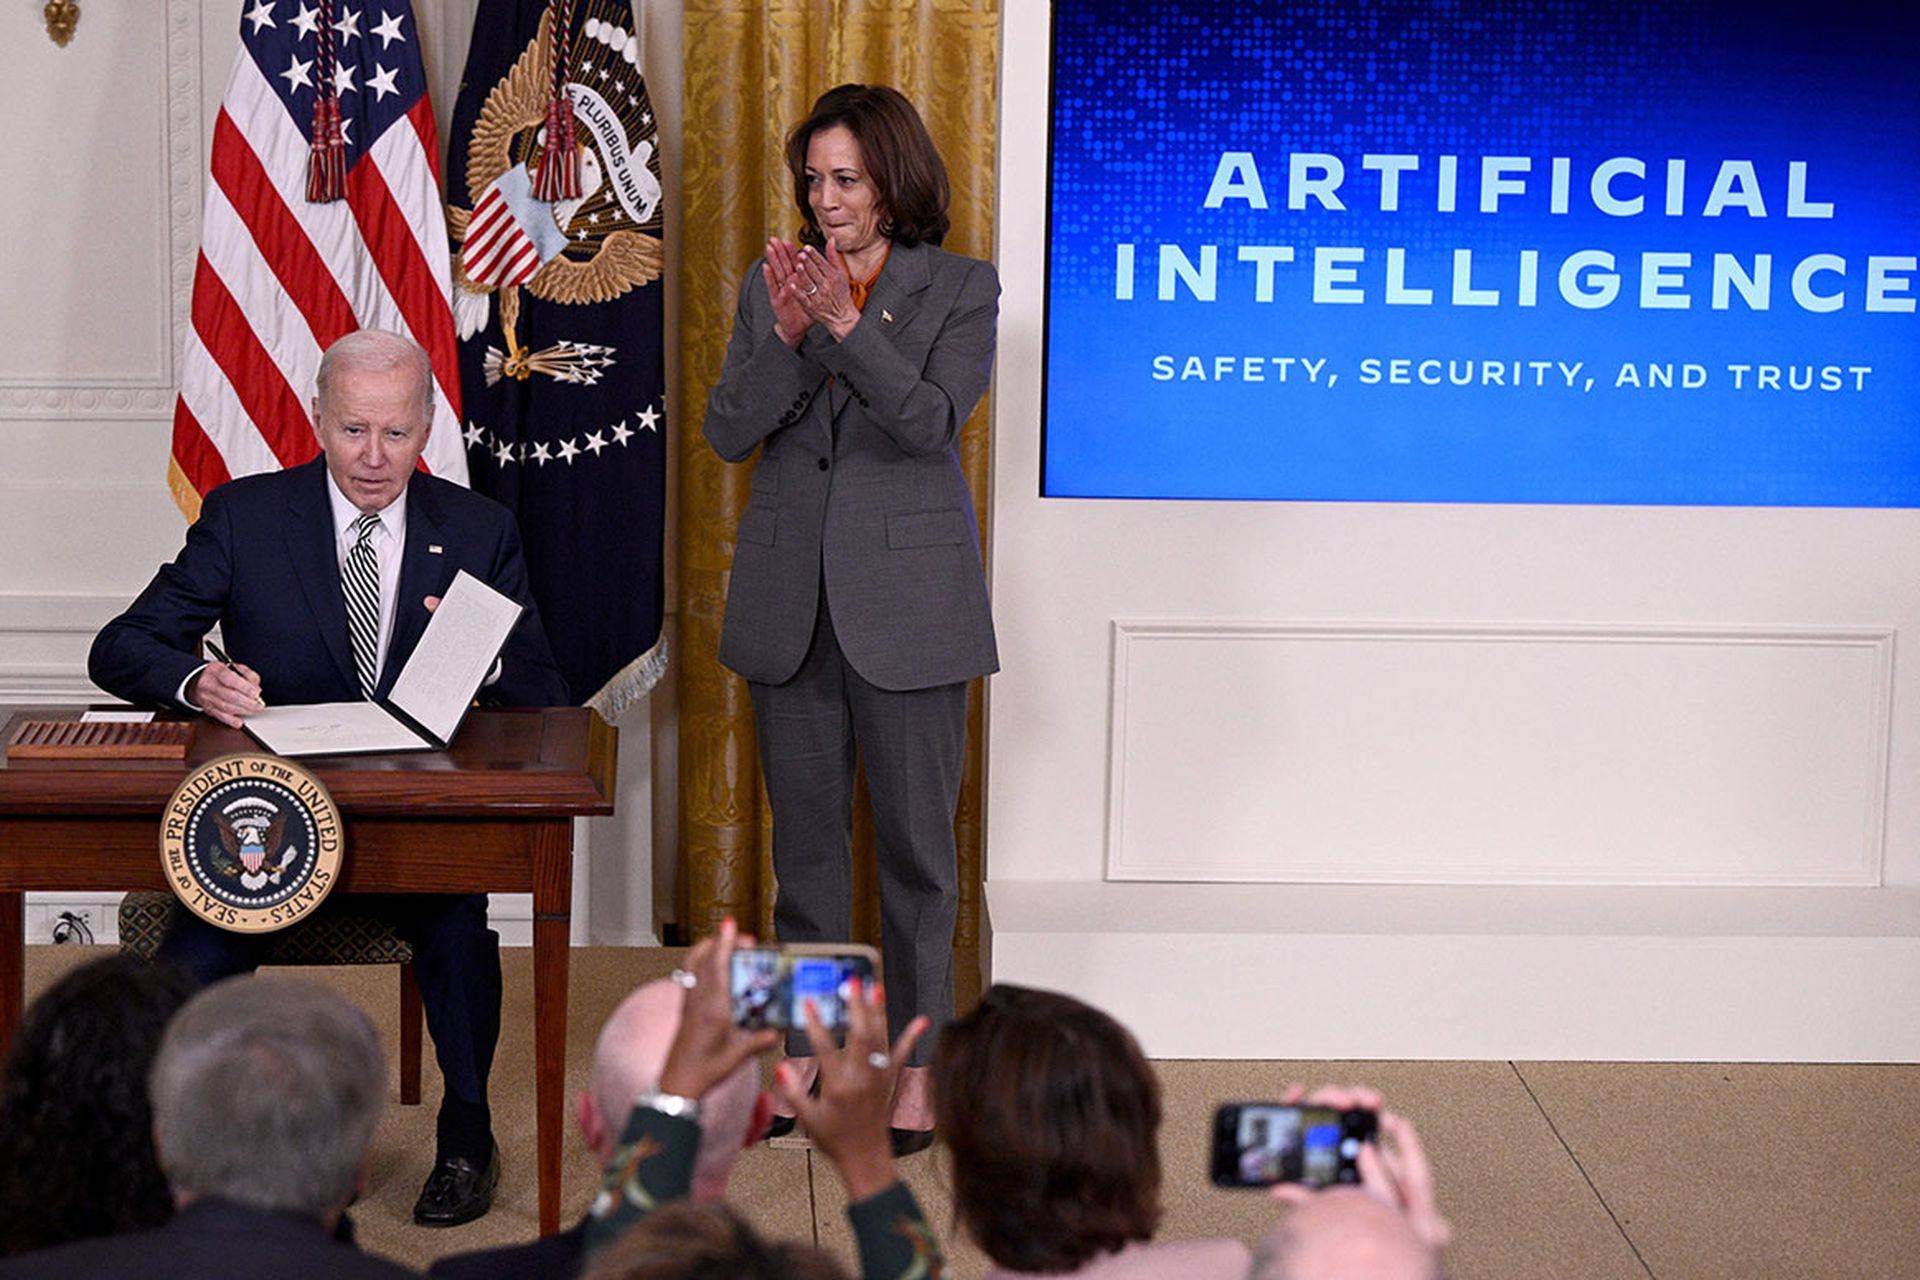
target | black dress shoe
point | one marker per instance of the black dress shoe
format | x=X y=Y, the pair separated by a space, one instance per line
x=457 y=1191
x=908 y=1141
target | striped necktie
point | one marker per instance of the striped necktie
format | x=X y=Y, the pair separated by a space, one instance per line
x=360 y=583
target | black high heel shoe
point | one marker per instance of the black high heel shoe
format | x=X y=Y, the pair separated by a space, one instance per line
x=907 y=1141
x=780 y=1126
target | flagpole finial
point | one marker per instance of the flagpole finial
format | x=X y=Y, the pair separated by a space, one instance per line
x=62 y=17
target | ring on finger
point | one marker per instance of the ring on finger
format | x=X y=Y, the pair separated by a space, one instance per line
x=683 y=978
x=812 y=289
x=879 y=1061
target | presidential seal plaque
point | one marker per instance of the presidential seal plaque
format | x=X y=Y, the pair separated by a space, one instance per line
x=251 y=843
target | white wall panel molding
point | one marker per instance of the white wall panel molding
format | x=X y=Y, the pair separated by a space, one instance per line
x=43 y=646
x=93 y=401
x=1534 y=973
x=175 y=122
x=1498 y=754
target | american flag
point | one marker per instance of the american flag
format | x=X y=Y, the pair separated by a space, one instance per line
x=279 y=278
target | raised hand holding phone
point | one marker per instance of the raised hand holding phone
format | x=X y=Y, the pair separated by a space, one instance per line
x=848 y=1121
x=1393 y=1168
x=770 y=985
x=1314 y=1144
x=708 y=1046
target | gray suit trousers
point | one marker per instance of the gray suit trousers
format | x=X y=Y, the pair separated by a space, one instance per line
x=913 y=745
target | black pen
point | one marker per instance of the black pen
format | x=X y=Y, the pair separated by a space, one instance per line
x=221 y=654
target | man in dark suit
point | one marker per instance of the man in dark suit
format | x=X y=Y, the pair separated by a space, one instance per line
x=265 y=1097
x=321 y=578
x=627 y=1061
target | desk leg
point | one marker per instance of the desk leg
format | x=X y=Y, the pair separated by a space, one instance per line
x=552 y=921
x=13 y=964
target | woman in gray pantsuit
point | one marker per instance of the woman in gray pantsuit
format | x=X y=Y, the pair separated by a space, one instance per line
x=857 y=609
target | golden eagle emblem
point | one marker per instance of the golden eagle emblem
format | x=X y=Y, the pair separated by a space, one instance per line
x=589 y=248
x=251 y=842
x=251 y=831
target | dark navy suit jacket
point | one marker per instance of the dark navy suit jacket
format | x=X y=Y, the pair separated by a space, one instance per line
x=209 y=1240
x=261 y=561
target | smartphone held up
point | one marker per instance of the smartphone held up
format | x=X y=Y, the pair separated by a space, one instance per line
x=771 y=986
x=1257 y=1144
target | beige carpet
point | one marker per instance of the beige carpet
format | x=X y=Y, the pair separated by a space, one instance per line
x=1583 y=1171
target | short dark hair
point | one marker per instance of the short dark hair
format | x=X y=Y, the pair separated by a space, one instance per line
x=899 y=156
x=696 y=1241
x=76 y=1129
x=1051 y=1115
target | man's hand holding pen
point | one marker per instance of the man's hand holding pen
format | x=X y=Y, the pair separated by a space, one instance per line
x=226 y=690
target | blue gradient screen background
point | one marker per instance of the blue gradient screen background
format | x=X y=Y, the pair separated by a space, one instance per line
x=1147 y=97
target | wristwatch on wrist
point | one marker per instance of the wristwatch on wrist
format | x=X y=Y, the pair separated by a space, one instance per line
x=671 y=1104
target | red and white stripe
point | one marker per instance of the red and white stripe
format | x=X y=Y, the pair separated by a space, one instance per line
x=280 y=278
x=497 y=250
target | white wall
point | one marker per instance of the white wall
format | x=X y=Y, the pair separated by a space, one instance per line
x=1392 y=746
x=107 y=158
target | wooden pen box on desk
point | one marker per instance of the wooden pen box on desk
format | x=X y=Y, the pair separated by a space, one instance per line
x=99 y=740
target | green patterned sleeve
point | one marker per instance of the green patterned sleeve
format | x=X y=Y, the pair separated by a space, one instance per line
x=652 y=1166
x=896 y=1241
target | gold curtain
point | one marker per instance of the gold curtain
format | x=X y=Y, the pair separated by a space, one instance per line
x=753 y=68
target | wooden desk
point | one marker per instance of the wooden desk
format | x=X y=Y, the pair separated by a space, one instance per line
x=492 y=815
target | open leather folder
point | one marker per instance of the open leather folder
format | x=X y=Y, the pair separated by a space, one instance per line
x=429 y=699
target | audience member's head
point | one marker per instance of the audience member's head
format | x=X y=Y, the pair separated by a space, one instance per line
x=1344 y=1233
x=1050 y=1113
x=265 y=1093
x=626 y=1063
x=76 y=1130
x=705 y=1241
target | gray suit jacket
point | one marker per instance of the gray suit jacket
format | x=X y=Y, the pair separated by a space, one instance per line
x=859 y=478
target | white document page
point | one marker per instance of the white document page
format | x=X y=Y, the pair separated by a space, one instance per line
x=435 y=688
x=326 y=728
x=462 y=639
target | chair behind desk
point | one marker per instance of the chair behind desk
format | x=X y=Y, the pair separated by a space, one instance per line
x=326 y=939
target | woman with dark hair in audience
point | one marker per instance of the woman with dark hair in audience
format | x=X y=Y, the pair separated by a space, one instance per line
x=76 y=1131
x=1052 y=1115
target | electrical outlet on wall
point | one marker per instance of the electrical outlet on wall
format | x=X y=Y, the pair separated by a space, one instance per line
x=72 y=926
x=93 y=920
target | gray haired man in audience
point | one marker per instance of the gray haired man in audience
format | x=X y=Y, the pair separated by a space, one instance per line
x=627 y=1060
x=265 y=1096
x=1387 y=1228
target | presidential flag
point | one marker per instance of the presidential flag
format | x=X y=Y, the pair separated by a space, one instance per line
x=323 y=216
x=555 y=207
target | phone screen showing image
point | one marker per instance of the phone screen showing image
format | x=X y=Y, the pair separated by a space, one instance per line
x=771 y=988
x=1259 y=1144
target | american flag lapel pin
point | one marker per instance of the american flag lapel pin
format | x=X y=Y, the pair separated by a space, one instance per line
x=886 y=315
x=434 y=549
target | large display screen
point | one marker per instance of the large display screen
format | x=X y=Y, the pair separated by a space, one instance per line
x=1554 y=251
